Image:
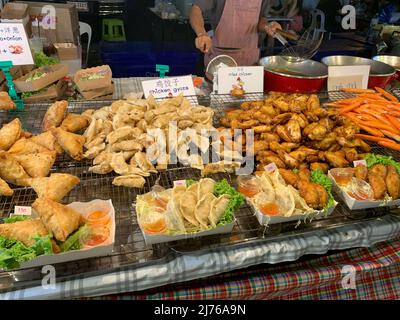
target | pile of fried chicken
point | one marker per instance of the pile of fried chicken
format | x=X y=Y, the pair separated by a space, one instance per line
x=314 y=194
x=382 y=179
x=293 y=131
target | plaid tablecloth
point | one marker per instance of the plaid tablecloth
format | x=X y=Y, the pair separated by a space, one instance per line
x=377 y=276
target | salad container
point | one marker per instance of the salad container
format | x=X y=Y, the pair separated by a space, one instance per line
x=93 y=78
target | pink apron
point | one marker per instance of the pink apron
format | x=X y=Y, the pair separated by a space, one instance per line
x=236 y=34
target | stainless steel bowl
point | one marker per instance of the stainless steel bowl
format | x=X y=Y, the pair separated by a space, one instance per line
x=292 y=67
x=393 y=61
x=212 y=67
x=377 y=68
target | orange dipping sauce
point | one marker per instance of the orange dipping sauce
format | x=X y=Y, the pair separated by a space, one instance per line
x=270 y=209
x=248 y=186
x=98 y=218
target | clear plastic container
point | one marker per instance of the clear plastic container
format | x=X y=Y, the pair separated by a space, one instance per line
x=360 y=190
x=248 y=186
x=342 y=176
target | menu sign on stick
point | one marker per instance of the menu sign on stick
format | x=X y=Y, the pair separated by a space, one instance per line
x=354 y=77
x=169 y=87
x=14 y=44
x=250 y=79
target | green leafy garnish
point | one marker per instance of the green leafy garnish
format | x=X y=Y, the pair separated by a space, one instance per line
x=13 y=252
x=237 y=199
x=190 y=182
x=296 y=171
x=74 y=241
x=42 y=60
x=16 y=219
x=317 y=176
x=373 y=159
x=32 y=93
x=42 y=245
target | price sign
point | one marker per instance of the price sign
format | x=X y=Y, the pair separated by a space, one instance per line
x=169 y=87
x=354 y=77
x=250 y=79
x=14 y=44
x=22 y=211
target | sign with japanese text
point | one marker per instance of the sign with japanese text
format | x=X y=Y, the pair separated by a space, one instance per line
x=169 y=87
x=14 y=44
x=249 y=79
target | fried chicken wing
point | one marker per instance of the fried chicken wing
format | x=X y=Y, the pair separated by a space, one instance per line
x=379 y=169
x=378 y=185
x=324 y=167
x=294 y=130
x=336 y=160
x=393 y=182
x=361 y=172
x=289 y=176
x=315 y=131
x=304 y=174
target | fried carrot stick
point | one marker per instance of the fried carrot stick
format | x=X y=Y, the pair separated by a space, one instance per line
x=387 y=95
x=394 y=121
x=378 y=125
x=391 y=135
x=350 y=107
x=371 y=138
x=373 y=131
x=355 y=90
x=390 y=145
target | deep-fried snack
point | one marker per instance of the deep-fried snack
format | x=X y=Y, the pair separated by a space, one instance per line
x=379 y=169
x=289 y=176
x=24 y=231
x=9 y=134
x=324 y=167
x=54 y=115
x=26 y=146
x=37 y=164
x=5 y=189
x=54 y=187
x=378 y=185
x=60 y=220
x=393 y=182
x=304 y=174
x=47 y=140
x=129 y=181
x=70 y=142
x=6 y=102
x=336 y=160
x=11 y=171
x=314 y=194
x=361 y=172
x=75 y=122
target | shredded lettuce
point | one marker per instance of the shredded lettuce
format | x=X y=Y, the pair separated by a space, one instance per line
x=13 y=252
x=373 y=159
x=237 y=199
x=317 y=176
x=16 y=218
x=43 y=60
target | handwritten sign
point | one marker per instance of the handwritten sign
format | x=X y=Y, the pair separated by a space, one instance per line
x=169 y=87
x=22 y=211
x=270 y=167
x=360 y=163
x=181 y=183
x=250 y=79
x=355 y=77
x=14 y=44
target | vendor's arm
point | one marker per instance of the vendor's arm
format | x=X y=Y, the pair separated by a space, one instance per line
x=263 y=23
x=203 y=41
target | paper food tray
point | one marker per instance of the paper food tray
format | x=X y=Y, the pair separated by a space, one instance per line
x=100 y=250
x=267 y=220
x=153 y=239
x=354 y=204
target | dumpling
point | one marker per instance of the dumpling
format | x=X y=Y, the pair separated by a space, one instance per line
x=37 y=164
x=75 y=122
x=129 y=181
x=11 y=171
x=24 y=231
x=70 y=142
x=9 y=134
x=218 y=208
x=174 y=219
x=285 y=201
x=5 y=189
x=26 y=146
x=143 y=163
x=187 y=205
x=203 y=208
x=205 y=186
x=266 y=185
x=59 y=219
x=176 y=195
x=54 y=187
x=54 y=115
x=47 y=140
x=275 y=178
x=195 y=189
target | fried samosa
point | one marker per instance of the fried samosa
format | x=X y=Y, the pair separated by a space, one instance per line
x=75 y=122
x=55 y=187
x=10 y=133
x=24 y=231
x=37 y=164
x=5 y=189
x=54 y=115
x=129 y=181
x=47 y=140
x=59 y=219
x=70 y=142
x=11 y=171
x=26 y=146
x=6 y=102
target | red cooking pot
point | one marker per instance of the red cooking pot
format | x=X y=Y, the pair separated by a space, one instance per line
x=380 y=75
x=393 y=61
x=287 y=74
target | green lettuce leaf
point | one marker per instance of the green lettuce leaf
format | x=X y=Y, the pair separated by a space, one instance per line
x=237 y=199
x=373 y=159
x=317 y=176
x=42 y=245
x=16 y=219
x=43 y=60
x=13 y=252
x=190 y=182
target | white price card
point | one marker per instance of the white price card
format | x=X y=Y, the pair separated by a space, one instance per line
x=250 y=79
x=169 y=87
x=22 y=211
x=14 y=44
x=354 y=77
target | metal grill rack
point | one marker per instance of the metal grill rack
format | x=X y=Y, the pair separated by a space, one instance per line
x=130 y=249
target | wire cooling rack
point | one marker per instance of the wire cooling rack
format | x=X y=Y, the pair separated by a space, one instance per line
x=130 y=249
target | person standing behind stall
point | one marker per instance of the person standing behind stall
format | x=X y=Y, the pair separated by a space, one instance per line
x=236 y=24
